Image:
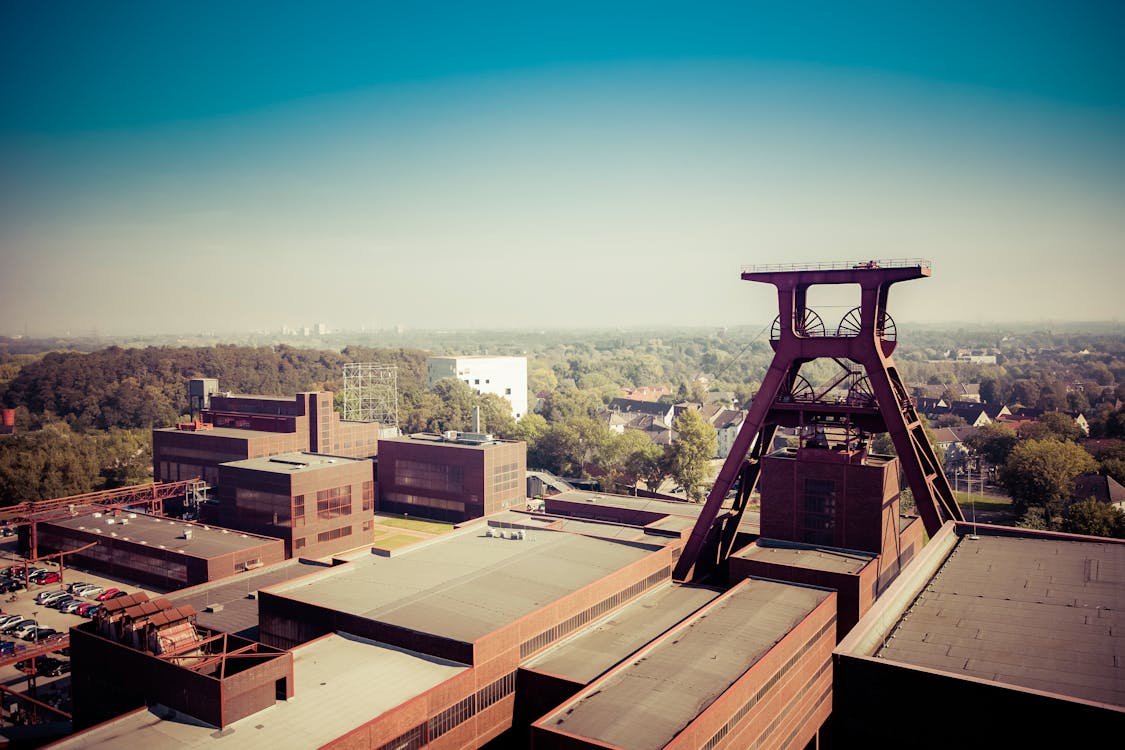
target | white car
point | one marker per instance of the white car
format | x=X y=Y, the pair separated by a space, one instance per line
x=25 y=629
x=9 y=620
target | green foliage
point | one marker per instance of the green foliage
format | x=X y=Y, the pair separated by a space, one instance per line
x=993 y=442
x=57 y=462
x=689 y=456
x=1053 y=425
x=1113 y=467
x=1094 y=518
x=1040 y=473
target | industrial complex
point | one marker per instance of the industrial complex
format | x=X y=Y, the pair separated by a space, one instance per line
x=829 y=618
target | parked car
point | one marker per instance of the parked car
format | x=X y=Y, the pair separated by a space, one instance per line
x=92 y=591
x=63 y=667
x=75 y=587
x=13 y=626
x=42 y=634
x=24 y=665
x=47 y=597
x=6 y=619
x=14 y=585
x=72 y=606
x=117 y=595
x=87 y=609
x=48 y=577
x=7 y=648
x=63 y=601
x=108 y=594
x=25 y=628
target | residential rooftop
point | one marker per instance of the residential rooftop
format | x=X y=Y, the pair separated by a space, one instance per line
x=641 y=706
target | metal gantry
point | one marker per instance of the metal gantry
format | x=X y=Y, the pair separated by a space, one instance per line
x=371 y=393
x=876 y=399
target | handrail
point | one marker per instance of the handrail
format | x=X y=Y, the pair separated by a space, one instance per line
x=842 y=265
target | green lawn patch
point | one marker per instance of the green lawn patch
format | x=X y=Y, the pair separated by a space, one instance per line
x=986 y=503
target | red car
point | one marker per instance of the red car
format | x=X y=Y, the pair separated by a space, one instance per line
x=51 y=577
x=109 y=594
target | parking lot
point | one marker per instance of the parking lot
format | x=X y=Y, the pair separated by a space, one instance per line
x=54 y=690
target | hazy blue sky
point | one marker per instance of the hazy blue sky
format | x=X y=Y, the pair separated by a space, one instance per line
x=181 y=166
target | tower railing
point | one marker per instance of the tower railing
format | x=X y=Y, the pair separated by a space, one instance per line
x=842 y=265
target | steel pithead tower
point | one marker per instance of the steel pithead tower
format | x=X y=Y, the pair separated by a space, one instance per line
x=877 y=400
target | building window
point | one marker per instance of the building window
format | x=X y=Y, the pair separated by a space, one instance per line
x=328 y=536
x=427 y=476
x=299 y=543
x=820 y=511
x=299 y=510
x=505 y=477
x=334 y=502
x=368 y=525
x=507 y=391
x=368 y=496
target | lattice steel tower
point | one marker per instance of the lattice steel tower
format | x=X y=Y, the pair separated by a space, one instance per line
x=371 y=393
x=876 y=399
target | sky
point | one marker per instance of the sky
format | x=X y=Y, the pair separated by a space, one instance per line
x=181 y=167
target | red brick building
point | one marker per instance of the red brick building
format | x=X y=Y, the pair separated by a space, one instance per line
x=451 y=477
x=235 y=428
x=317 y=504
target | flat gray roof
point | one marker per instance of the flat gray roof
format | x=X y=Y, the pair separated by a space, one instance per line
x=805 y=556
x=466 y=585
x=237 y=596
x=235 y=432
x=1045 y=614
x=604 y=644
x=642 y=706
x=292 y=463
x=652 y=505
x=340 y=682
x=165 y=533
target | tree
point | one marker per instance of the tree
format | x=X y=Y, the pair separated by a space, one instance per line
x=1113 y=467
x=993 y=442
x=691 y=452
x=644 y=459
x=457 y=401
x=1041 y=473
x=1095 y=518
x=496 y=415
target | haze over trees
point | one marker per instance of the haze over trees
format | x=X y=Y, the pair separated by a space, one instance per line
x=109 y=398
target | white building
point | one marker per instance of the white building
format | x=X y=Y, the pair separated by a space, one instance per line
x=503 y=376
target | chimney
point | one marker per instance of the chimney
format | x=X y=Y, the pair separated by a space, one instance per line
x=476 y=419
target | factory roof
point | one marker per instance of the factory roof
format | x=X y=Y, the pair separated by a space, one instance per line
x=641 y=706
x=1033 y=612
x=605 y=643
x=340 y=682
x=652 y=505
x=231 y=604
x=467 y=585
x=228 y=432
x=808 y=556
x=291 y=463
x=165 y=533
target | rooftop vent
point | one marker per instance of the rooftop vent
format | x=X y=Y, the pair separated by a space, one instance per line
x=187 y=534
x=97 y=515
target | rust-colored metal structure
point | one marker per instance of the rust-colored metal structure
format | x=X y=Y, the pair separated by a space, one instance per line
x=876 y=399
x=149 y=497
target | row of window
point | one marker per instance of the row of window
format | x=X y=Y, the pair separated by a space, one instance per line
x=328 y=536
x=771 y=682
x=334 y=502
x=505 y=477
x=425 y=502
x=568 y=626
x=460 y=712
x=428 y=476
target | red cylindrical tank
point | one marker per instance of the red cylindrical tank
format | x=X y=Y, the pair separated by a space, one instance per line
x=8 y=417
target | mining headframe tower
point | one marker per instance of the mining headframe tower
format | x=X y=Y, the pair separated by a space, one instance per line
x=876 y=399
